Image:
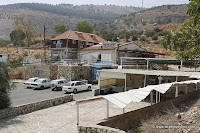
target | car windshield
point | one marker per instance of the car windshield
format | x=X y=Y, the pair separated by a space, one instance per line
x=31 y=80
x=68 y=84
x=38 y=81
x=54 y=82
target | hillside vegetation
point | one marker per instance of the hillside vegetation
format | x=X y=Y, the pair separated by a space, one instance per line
x=49 y=15
x=154 y=16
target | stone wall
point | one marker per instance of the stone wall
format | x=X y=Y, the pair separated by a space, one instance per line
x=75 y=72
x=23 y=109
x=127 y=120
x=55 y=71
x=98 y=129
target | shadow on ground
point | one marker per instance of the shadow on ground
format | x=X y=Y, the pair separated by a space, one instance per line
x=9 y=121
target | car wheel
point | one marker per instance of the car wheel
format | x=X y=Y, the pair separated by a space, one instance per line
x=42 y=87
x=89 y=88
x=60 y=88
x=75 y=91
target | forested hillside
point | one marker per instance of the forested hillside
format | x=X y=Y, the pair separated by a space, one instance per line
x=49 y=15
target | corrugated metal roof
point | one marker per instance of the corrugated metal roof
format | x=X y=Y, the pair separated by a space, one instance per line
x=137 y=95
x=154 y=72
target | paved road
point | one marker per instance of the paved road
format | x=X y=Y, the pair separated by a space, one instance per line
x=20 y=95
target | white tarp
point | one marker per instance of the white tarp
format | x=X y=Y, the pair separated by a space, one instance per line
x=137 y=95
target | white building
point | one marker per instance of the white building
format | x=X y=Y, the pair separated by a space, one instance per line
x=4 y=58
x=109 y=53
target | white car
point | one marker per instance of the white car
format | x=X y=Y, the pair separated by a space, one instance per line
x=27 y=84
x=41 y=83
x=75 y=86
x=58 y=84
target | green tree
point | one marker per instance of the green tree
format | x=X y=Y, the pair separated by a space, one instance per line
x=84 y=26
x=60 y=28
x=17 y=36
x=4 y=86
x=27 y=28
x=187 y=40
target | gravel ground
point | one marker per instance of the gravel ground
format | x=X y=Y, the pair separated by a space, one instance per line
x=62 y=118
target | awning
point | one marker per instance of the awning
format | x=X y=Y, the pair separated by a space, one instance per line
x=137 y=95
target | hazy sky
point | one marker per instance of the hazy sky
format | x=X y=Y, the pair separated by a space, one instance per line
x=147 y=3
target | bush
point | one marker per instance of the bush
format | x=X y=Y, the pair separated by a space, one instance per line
x=163 y=33
x=134 y=37
x=16 y=63
x=154 y=37
x=149 y=33
x=157 y=29
x=4 y=86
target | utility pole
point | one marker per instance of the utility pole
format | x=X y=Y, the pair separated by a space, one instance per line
x=44 y=45
x=118 y=51
x=142 y=4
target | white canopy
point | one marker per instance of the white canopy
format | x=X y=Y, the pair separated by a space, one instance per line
x=137 y=95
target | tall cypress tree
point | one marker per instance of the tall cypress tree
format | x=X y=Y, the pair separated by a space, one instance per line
x=4 y=86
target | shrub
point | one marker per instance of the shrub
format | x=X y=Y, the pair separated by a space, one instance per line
x=4 y=86
x=157 y=29
x=134 y=37
x=154 y=37
x=149 y=33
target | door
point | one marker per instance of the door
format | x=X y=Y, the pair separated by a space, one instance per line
x=78 y=86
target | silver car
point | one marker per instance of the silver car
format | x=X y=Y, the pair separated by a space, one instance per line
x=27 y=84
x=41 y=83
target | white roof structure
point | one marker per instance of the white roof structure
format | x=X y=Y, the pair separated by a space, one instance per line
x=124 y=98
x=153 y=72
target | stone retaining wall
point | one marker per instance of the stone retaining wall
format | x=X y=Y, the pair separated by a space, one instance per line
x=98 y=129
x=24 y=109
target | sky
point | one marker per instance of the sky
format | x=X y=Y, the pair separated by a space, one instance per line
x=136 y=3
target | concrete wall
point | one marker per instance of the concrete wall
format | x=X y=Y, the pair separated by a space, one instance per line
x=134 y=81
x=107 y=82
x=92 y=55
x=134 y=118
x=13 y=111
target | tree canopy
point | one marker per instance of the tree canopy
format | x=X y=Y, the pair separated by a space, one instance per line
x=27 y=28
x=60 y=28
x=4 y=86
x=17 y=36
x=84 y=26
x=187 y=40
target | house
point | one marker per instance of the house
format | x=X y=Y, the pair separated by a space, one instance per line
x=109 y=53
x=65 y=46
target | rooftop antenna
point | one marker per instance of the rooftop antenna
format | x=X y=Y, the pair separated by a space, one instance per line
x=142 y=4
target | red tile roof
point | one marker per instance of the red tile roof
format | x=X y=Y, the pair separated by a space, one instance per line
x=75 y=35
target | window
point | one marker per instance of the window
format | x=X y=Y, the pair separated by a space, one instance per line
x=99 y=56
x=72 y=84
x=74 y=41
x=78 y=83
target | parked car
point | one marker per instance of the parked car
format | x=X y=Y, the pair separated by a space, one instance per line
x=27 y=84
x=41 y=83
x=58 y=84
x=75 y=86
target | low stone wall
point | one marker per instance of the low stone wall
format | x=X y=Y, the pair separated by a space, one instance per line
x=128 y=120
x=98 y=129
x=24 y=109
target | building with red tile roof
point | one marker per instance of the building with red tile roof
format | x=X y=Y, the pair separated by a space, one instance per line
x=67 y=45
